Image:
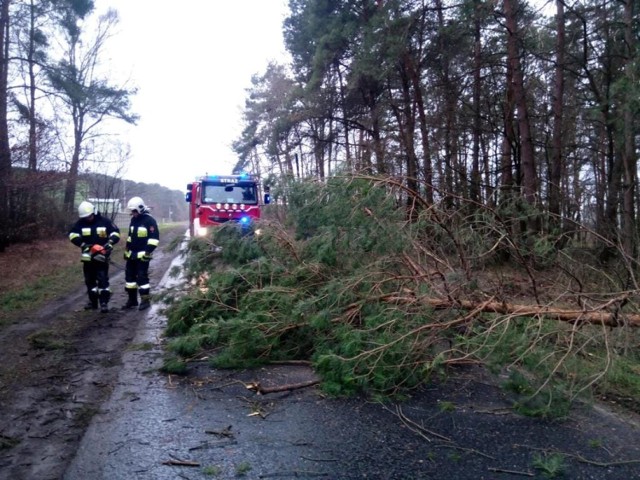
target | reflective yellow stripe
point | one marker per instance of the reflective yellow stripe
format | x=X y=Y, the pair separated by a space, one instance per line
x=131 y=285
x=86 y=232
x=153 y=241
x=102 y=232
x=73 y=235
x=142 y=232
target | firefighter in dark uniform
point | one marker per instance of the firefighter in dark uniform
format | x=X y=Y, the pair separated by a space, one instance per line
x=95 y=235
x=142 y=240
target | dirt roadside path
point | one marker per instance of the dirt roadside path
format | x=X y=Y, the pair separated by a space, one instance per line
x=59 y=364
x=99 y=409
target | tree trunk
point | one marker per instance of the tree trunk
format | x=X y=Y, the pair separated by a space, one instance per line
x=508 y=141
x=5 y=150
x=597 y=317
x=474 y=187
x=72 y=175
x=528 y=165
x=555 y=173
x=606 y=315
x=33 y=156
x=629 y=147
x=32 y=195
x=378 y=143
x=424 y=131
x=345 y=121
x=409 y=137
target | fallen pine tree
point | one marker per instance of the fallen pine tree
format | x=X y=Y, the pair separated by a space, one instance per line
x=598 y=315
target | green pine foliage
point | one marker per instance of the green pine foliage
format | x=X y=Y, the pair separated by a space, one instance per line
x=317 y=289
x=349 y=284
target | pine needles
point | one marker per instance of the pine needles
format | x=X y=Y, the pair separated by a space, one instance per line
x=381 y=299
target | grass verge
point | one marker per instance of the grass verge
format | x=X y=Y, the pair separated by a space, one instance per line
x=30 y=277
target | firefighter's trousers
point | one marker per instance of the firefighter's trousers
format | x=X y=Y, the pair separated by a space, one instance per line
x=136 y=276
x=96 y=278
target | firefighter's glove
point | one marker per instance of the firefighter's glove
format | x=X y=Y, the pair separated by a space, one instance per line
x=108 y=247
x=143 y=256
x=86 y=248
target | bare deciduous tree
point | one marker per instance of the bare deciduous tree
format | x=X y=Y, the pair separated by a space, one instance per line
x=88 y=97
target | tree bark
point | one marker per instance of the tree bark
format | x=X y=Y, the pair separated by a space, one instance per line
x=528 y=165
x=595 y=316
x=405 y=116
x=5 y=150
x=630 y=160
x=555 y=173
x=507 y=153
x=33 y=158
x=474 y=187
x=74 y=167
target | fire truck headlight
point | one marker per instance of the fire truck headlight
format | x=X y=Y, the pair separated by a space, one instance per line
x=201 y=232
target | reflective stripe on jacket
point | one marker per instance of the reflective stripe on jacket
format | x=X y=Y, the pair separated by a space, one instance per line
x=100 y=230
x=143 y=238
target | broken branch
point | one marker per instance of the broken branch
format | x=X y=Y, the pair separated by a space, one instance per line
x=256 y=387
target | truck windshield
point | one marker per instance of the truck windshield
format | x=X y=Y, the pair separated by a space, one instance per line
x=246 y=194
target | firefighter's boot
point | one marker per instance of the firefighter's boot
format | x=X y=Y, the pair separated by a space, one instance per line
x=132 y=300
x=144 y=302
x=93 y=301
x=105 y=295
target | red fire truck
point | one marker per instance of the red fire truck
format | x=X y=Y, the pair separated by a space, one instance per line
x=217 y=199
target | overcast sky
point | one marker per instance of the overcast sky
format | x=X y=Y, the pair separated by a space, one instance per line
x=191 y=61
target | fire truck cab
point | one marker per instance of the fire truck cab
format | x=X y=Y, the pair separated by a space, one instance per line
x=217 y=199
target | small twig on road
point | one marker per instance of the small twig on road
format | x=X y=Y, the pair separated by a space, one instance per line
x=319 y=459
x=220 y=444
x=225 y=432
x=414 y=427
x=420 y=430
x=305 y=363
x=582 y=459
x=513 y=472
x=294 y=473
x=181 y=463
x=467 y=450
x=256 y=387
x=197 y=394
x=44 y=435
x=495 y=411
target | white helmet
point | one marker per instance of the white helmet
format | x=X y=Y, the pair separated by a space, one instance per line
x=85 y=209
x=137 y=204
